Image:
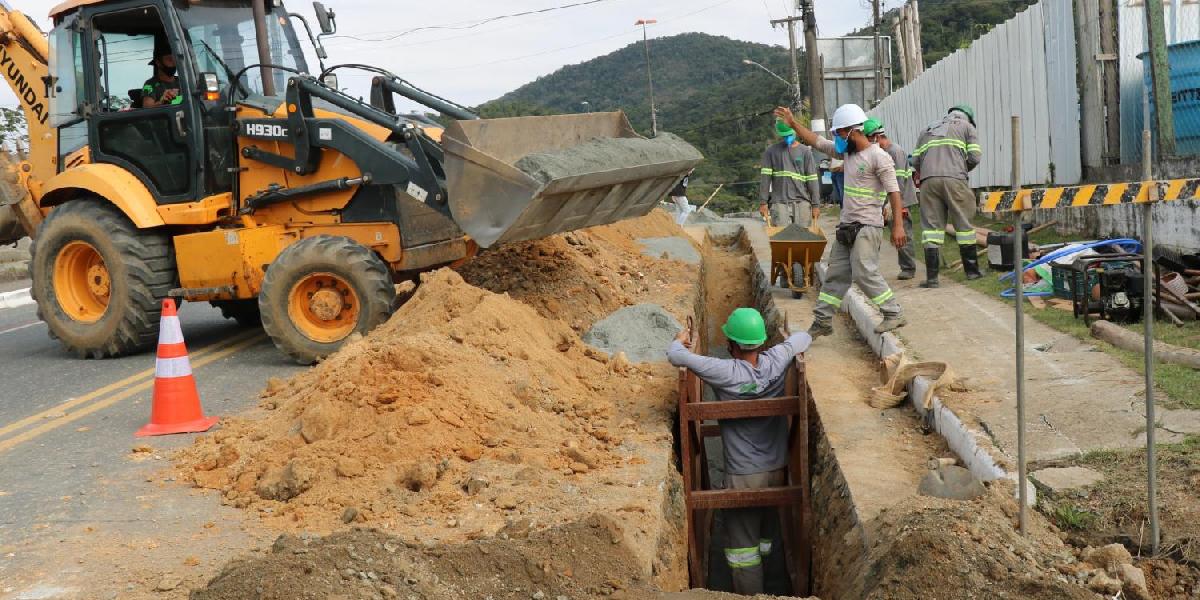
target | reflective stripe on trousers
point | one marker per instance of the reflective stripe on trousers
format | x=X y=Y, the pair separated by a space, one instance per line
x=743 y=558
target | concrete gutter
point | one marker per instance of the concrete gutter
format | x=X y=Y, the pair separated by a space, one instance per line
x=970 y=445
x=15 y=299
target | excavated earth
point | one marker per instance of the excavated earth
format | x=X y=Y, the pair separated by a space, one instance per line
x=476 y=416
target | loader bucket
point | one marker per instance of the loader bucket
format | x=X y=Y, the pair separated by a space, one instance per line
x=525 y=178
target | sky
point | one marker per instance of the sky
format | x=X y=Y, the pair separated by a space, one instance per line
x=473 y=65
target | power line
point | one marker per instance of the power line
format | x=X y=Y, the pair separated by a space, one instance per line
x=471 y=24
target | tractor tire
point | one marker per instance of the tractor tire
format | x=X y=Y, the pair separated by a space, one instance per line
x=245 y=312
x=320 y=291
x=98 y=280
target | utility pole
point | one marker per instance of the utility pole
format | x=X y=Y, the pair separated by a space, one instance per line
x=816 y=74
x=918 y=65
x=649 y=76
x=791 y=27
x=1112 y=88
x=878 y=53
x=1164 y=116
x=898 y=35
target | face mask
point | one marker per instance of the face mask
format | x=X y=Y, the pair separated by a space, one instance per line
x=791 y=139
x=169 y=71
x=840 y=144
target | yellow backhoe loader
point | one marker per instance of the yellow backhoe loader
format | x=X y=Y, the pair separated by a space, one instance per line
x=181 y=148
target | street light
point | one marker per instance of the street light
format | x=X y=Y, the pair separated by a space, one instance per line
x=795 y=88
x=649 y=76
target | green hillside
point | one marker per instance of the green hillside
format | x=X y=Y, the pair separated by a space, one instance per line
x=704 y=93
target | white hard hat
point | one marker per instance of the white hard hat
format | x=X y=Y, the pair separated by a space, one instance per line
x=848 y=115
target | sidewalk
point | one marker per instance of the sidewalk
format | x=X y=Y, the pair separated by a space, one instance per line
x=1078 y=397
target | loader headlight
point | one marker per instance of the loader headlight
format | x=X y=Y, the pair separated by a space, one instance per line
x=212 y=86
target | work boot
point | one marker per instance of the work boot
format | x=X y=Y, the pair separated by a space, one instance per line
x=932 y=257
x=890 y=323
x=970 y=259
x=906 y=275
x=818 y=329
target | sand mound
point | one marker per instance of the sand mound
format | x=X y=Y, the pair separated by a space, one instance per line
x=936 y=549
x=581 y=277
x=581 y=560
x=447 y=415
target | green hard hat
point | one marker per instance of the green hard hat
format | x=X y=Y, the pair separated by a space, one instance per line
x=966 y=110
x=782 y=128
x=746 y=327
x=872 y=126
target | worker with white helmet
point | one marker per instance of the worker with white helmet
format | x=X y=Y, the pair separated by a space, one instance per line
x=946 y=151
x=870 y=184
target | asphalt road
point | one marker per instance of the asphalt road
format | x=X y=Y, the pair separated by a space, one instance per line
x=66 y=433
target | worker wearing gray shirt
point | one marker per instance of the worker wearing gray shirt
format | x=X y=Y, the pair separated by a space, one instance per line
x=876 y=134
x=870 y=184
x=756 y=449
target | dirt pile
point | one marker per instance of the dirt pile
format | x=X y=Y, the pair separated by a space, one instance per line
x=466 y=411
x=581 y=277
x=796 y=233
x=939 y=549
x=581 y=560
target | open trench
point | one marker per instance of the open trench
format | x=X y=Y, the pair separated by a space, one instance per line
x=614 y=532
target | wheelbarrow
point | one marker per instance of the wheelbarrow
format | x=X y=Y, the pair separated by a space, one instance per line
x=793 y=260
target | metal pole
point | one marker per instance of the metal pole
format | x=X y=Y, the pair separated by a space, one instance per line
x=1149 y=285
x=1019 y=289
x=791 y=25
x=650 y=78
x=264 y=46
x=878 y=53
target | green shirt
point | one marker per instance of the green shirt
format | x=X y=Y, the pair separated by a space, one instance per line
x=155 y=88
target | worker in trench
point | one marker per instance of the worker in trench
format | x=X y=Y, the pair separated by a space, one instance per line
x=876 y=134
x=870 y=183
x=946 y=151
x=756 y=449
x=788 y=186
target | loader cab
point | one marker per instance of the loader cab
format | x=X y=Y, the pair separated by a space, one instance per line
x=103 y=59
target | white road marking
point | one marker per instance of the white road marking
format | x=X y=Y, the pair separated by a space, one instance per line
x=15 y=299
x=20 y=327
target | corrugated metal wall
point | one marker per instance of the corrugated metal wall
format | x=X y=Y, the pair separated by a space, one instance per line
x=1023 y=67
x=1182 y=19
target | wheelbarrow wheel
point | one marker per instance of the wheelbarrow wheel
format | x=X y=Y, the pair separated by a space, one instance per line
x=797 y=294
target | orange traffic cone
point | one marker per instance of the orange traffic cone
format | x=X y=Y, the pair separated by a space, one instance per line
x=176 y=407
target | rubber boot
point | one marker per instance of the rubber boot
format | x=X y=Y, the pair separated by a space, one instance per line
x=891 y=323
x=970 y=258
x=933 y=257
x=819 y=329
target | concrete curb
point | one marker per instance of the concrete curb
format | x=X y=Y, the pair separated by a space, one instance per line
x=963 y=440
x=15 y=299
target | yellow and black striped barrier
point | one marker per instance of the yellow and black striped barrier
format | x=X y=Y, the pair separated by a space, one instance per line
x=1099 y=194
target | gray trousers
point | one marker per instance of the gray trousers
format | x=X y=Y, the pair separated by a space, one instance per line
x=945 y=199
x=752 y=532
x=907 y=255
x=860 y=265
x=798 y=213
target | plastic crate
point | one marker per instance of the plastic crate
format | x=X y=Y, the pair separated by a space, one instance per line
x=1065 y=279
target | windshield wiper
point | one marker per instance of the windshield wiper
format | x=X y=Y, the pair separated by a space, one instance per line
x=228 y=71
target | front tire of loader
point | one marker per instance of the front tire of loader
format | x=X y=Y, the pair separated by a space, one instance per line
x=320 y=291
x=98 y=280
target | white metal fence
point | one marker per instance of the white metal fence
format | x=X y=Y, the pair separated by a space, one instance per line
x=1023 y=67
